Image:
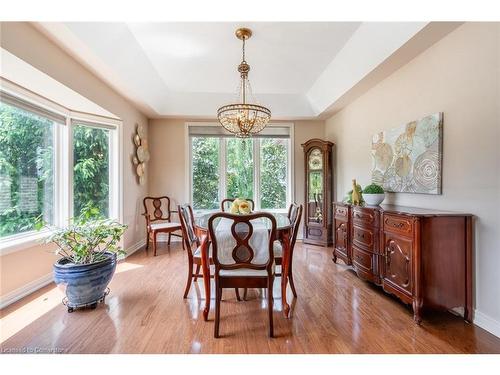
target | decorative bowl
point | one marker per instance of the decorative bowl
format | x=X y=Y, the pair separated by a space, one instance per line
x=373 y=199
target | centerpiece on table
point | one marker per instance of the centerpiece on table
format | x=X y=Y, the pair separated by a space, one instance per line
x=241 y=206
x=89 y=249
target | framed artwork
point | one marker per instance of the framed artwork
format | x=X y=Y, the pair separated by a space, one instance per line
x=408 y=159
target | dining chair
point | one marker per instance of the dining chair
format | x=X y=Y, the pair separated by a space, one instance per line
x=225 y=205
x=158 y=220
x=190 y=238
x=294 y=215
x=242 y=252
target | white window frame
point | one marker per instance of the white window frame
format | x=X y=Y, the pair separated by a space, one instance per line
x=222 y=167
x=63 y=167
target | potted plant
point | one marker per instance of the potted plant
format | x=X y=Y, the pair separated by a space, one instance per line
x=373 y=194
x=89 y=250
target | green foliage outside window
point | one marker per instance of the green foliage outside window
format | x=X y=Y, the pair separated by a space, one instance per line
x=26 y=170
x=273 y=172
x=91 y=169
x=239 y=171
x=239 y=168
x=205 y=169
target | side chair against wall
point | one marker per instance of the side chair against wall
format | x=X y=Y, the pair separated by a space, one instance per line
x=237 y=263
x=225 y=205
x=294 y=215
x=158 y=220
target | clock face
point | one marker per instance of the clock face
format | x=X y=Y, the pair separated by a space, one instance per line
x=315 y=159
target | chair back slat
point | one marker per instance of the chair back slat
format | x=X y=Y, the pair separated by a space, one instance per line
x=187 y=224
x=157 y=208
x=226 y=204
x=294 y=215
x=242 y=241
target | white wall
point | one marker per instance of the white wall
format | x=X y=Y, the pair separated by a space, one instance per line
x=459 y=76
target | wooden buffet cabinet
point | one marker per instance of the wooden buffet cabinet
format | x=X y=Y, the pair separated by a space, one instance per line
x=424 y=257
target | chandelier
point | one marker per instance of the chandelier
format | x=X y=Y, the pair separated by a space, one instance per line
x=242 y=118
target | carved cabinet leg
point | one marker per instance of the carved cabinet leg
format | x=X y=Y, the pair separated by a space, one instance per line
x=417 y=311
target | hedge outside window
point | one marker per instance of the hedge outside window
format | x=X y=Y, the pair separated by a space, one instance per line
x=35 y=170
x=26 y=170
x=246 y=167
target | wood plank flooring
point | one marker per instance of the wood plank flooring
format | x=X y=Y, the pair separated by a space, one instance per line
x=145 y=313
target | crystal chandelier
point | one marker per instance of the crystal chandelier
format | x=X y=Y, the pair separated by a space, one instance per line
x=242 y=118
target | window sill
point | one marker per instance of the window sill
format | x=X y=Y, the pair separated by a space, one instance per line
x=23 y=241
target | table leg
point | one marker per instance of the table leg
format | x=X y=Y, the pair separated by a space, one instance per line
x=205 y=265
x=284 y=272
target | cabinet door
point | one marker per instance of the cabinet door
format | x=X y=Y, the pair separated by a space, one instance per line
x=341 y=233
x=397 y=267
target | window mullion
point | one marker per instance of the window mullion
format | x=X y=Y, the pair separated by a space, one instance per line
x=222 y=169
x=256 y=173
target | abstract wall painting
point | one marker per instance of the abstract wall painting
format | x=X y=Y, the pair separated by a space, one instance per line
x=408 y=159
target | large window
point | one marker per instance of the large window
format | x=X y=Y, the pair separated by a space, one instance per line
x=38 y=172
x=90 y=169
x=223 y=166
x=26 y=169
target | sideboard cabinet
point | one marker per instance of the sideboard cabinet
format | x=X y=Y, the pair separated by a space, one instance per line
x=424 y=257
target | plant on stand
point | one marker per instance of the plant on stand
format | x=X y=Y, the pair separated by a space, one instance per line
x=89 y=249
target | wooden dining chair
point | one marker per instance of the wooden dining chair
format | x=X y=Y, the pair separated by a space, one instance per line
x=239 y=261
x=190 y=238
x=294 y=215
x=193 y=245
x=158 y=220
x=225 y=205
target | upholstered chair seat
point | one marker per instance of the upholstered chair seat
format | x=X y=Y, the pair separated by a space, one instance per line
x=156 y=226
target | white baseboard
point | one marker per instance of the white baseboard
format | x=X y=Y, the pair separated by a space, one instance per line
x=25 y=290
x=487 y=322
x=132 y=249
x=34 y=285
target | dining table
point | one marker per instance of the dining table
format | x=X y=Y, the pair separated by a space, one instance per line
x=283 y=234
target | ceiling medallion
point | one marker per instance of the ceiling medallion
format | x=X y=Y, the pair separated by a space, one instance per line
x=245 y=117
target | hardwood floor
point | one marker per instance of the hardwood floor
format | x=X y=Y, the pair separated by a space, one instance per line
x=145 y=313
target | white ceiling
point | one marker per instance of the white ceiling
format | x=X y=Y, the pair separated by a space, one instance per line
x=298 y=69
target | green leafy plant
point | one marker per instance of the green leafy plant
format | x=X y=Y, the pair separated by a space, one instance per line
x=88 y=237
x=373 y=189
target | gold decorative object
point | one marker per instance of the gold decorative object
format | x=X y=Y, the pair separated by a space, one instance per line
x=141 y=154
x=244 y=119
x=137 y=140
x=356 y=194
x=140 y=131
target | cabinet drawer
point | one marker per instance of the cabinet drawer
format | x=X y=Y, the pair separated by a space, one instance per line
x=365 y=216
x=362 y=259
x=364 y=237
x=341 y=212
x=398 y=224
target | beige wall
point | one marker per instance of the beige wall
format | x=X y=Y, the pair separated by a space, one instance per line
x=21 y=39
x=168 y=153
x=459 y=76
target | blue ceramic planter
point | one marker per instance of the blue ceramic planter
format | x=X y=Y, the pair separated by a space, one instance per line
x=84 y=284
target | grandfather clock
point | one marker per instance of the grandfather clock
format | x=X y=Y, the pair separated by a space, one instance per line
x=318 y=192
